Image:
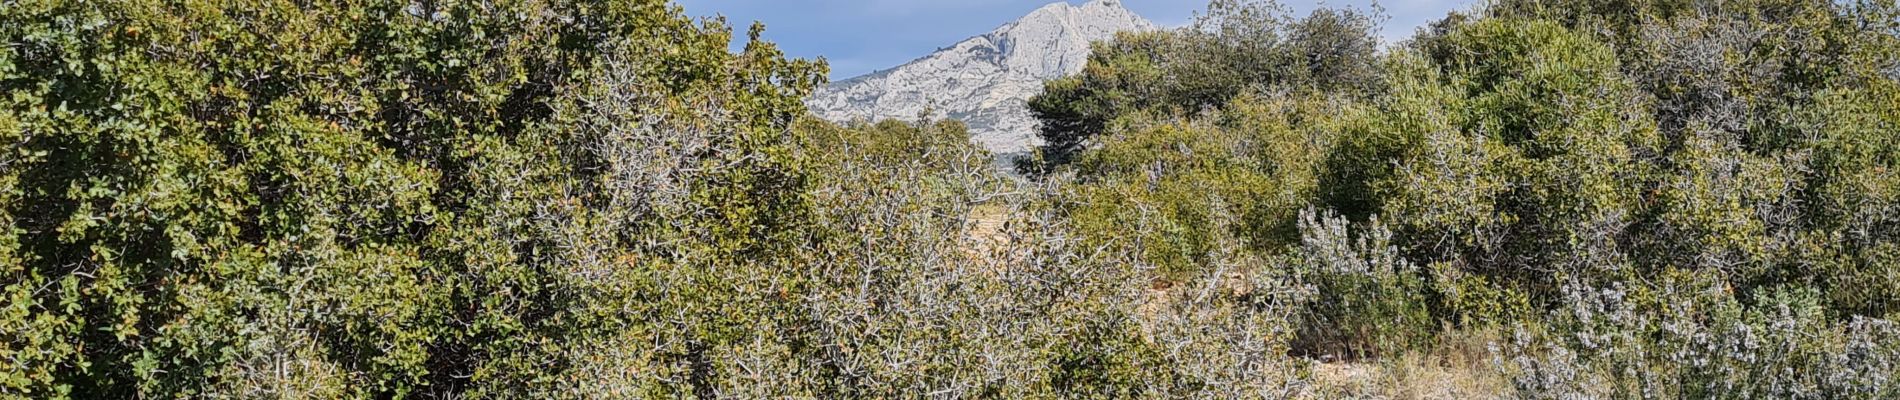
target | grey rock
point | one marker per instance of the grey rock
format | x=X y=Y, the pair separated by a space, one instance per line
x=985 y=81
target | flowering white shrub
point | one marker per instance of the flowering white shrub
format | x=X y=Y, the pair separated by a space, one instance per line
x=1686 y=339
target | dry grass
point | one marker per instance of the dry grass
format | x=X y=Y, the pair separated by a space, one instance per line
x=1458 y=368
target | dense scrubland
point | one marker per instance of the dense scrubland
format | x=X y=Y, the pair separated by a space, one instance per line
x=580 y=199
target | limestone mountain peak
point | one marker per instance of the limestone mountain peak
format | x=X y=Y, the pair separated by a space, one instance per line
x=986 y=80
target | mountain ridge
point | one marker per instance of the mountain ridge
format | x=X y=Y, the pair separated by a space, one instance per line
x=985 y=80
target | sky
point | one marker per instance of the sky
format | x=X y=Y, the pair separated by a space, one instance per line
x=861 y=36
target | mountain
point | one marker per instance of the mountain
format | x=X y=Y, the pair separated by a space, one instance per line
x=985 y=81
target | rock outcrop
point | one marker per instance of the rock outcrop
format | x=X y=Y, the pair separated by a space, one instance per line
x=985 y=81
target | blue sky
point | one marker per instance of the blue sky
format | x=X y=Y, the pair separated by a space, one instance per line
x=860 y=36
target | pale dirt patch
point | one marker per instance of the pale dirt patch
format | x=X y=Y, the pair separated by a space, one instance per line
x=984 y=234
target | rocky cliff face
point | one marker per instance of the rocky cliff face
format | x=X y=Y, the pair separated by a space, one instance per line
x=985 y=81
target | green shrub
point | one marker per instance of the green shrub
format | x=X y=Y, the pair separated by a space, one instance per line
x=375 y=199
x=1367 y=300
x=1237 y=48
x=1687 y=337
x=558 y=199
